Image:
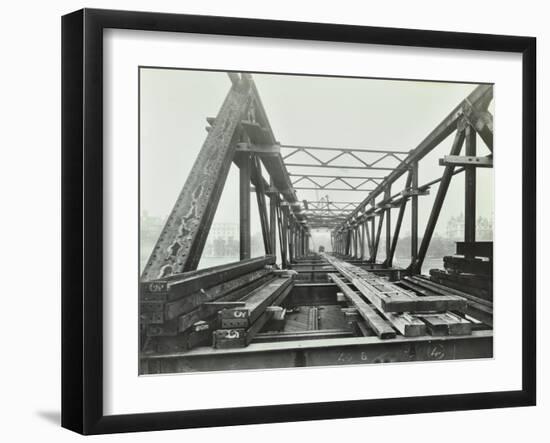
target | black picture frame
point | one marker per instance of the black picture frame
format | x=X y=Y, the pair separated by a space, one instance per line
x=82 y=218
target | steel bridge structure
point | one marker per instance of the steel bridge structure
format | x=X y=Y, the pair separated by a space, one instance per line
x=299 y=307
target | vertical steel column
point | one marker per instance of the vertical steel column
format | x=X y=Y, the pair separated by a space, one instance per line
x=272 y=219
x=284 y=211
x=356 y=241
x=398 y=223
x=369 y=236
x=387 y=196
x=470 y=190
x=244 y=208
x=414 y=212
x=377 y=240
x=298 y=241
x=290 y=234
x=281 y=230
x=373 y=234
x=354 y=236
x=262 y=207
x=362 y=226
x=416 y=266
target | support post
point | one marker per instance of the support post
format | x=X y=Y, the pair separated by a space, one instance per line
x=398 y=223
x=373 y=234
x=377 y=239
x=244 y=208
x=416 y=266
x=290 y=234
x=273 y=220
x=262 y=207
x=414 y=212
x=470 y=189
x=362 y=226
x=369 y=239
x=284 y=234
x=387 y=196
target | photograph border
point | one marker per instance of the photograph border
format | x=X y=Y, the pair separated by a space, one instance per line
x=82 y=220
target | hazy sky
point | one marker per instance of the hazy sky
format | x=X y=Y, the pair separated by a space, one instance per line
x=303 y=110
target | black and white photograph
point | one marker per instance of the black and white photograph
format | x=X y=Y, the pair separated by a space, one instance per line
x=244 y=221
x=293 y=221
x=278 y=220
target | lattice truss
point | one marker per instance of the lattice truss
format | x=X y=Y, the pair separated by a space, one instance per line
x=339 y=158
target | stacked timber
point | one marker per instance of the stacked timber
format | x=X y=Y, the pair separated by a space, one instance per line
x=389 y=309
x=470 y=270
x=181 y=311
x=239 y=325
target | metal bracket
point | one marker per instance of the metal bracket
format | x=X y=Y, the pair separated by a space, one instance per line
x=259 y=149
x=412 y=192
x=466 y=160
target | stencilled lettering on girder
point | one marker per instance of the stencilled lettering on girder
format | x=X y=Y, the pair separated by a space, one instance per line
x=229 y=333
x=436 y=351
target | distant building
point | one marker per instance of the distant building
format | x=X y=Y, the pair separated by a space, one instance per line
x=224 y=231
x=223 y=240
x=455 y=228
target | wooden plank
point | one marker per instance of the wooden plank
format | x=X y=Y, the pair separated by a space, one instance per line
x=458 y=325
x=365 y=331
x=399 y=302
x=192 y=301
x=207 y=310
x=256 y=303
x=375 y=322
x=478 y=308
x=480 y=285
x=436 y=324
x=424 y=281
x=407 y=324
x=390 y=298
x=180 y=285
x=469 y=265
x=447 y=324
x=240 y=338
x=475 y=249
x=417 y=288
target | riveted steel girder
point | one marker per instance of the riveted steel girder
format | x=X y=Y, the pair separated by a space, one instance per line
x=182 y=239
